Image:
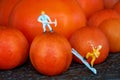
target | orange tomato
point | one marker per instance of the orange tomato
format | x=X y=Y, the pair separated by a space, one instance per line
x=67 y=13
x=91 y=6
x=111 y=28
x=117 y=7
x=110 y=3
x=13 y=48
x=102 y=15
x=50 y=53
x=6 y=7
x=84 y=39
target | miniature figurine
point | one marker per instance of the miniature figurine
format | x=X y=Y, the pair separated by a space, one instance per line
x=95 y=54
x=46 y=21
x=84 y=61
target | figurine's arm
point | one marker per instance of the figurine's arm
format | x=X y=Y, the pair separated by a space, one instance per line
x=39 y=19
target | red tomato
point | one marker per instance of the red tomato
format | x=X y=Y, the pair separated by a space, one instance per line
x=13 y=48
x=91 y=6
x=68 y=14
x=102 y=15
x=85 y=39
x=50 y=54
x=111 y=28
x=6 y=7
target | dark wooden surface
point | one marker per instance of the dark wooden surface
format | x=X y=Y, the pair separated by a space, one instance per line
x=108 y=70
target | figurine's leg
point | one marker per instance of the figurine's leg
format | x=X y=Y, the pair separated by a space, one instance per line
x=87 y=55
x=92 y=61
x=44 y=27
x=50 y=28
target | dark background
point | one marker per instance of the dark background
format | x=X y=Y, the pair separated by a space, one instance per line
x=108 y=70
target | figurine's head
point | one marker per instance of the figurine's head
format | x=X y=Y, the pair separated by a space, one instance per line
x=99 y=47
x=42 y=12
x=97 y=52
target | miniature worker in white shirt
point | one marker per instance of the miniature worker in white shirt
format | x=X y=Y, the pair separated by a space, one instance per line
x=45 y=20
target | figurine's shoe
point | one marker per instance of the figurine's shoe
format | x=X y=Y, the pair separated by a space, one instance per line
x=85 y=58
x=51 y=30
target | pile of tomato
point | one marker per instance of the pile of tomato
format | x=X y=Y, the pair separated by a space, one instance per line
x=81 y=24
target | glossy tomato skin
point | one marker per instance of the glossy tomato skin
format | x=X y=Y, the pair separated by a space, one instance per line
x=86 y=37
x=111 y=29
x=110 y=3
x=116 y=7
x=102 y=15
x=6 y=7
x=67 y=13
x=50 y=54
x=91 y=6
x=13 y=48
